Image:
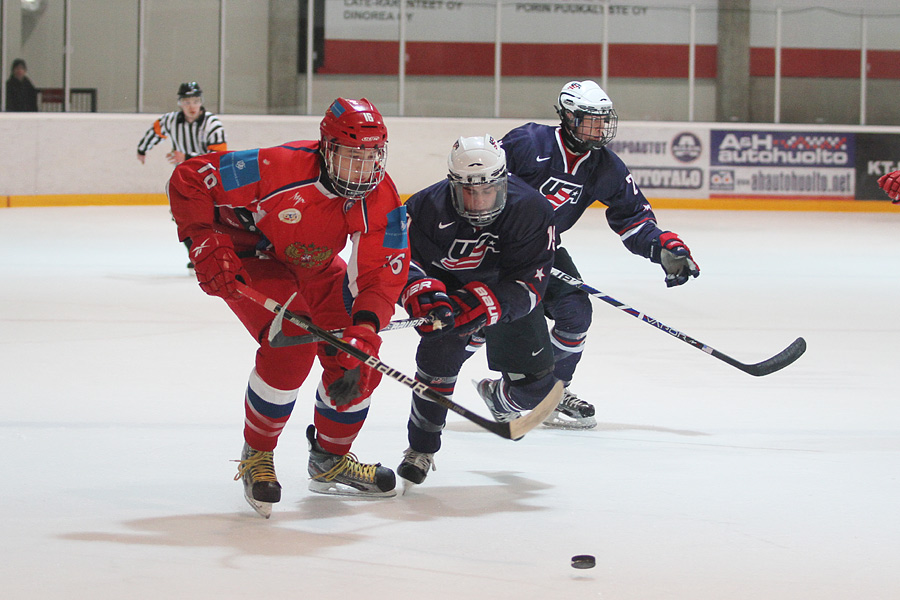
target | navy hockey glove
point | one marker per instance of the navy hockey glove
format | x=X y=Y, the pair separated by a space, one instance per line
x=675 y=258
x=890 y=183
x=474 y=306
x=217 y=266
x=428 y=298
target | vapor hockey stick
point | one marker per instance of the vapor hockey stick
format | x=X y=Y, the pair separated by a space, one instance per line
x=512 y=430
x=277 y=338
x=770 y=365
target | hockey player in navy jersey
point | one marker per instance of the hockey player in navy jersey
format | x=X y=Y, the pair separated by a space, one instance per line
x=481 y=244
x=571 y=167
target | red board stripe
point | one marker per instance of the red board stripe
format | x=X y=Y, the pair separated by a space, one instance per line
x=665 y=61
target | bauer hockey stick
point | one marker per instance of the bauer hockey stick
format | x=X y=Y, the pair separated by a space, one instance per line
x=770 y=365
x=277 y=338
x=513 y=430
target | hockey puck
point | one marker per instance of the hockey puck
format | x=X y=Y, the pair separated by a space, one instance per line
x=583 y=561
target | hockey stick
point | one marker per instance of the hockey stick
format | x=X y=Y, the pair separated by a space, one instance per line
x=277 y=338
x=770 y=365
x=512 y=430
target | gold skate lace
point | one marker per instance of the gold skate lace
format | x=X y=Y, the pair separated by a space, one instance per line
x=260 y=465
x=350 y=465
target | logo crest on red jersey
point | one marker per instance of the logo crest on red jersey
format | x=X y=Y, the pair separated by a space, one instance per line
x=290 y=216
x=308 y=256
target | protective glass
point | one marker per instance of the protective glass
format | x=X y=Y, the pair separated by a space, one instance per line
x=479 y=203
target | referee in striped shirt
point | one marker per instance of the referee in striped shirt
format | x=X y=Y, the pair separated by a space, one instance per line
x=192 y=130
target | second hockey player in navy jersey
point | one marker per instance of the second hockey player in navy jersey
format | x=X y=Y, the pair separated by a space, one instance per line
x=482 y=245
x=571 y=167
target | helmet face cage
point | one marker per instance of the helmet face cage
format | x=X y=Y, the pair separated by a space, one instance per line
x=354 y=172
x=588 y=119
x=478 y=179
x=590 y=130
x=353 y=146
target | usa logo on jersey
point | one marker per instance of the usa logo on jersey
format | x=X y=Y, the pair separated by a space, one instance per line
x=558 y=192
x=469 y=254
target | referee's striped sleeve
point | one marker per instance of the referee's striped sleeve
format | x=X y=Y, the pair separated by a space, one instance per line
x=215 y=135
x=153 y=136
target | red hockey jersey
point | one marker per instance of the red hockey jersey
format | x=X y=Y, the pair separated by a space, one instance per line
x=274 y=201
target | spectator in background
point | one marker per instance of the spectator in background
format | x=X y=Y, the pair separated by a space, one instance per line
x=21 y=95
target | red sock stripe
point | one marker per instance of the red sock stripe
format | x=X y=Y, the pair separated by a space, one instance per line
x=444 y=386
x=261 y=432
x=335 y=437
x=568 y=342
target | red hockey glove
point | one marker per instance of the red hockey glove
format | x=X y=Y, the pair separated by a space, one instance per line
x=890 y=183
x=358 y=381
x=217 y=266
x=474 y=306
x=428 y=298
x=359 y=336
x=675 y=257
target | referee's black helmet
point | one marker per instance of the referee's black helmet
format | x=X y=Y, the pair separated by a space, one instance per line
x=189 y=90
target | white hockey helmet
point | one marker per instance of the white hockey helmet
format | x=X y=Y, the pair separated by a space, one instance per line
x=478 y=179
x=588 y=119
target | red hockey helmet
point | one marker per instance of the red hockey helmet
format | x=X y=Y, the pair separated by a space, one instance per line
x=354 y=146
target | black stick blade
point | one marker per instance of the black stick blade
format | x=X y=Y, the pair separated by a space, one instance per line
x=777 y=362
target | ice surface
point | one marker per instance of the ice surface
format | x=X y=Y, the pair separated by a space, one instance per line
x=123 y=387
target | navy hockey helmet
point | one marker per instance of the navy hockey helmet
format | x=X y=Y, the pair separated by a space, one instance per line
x=588 y=119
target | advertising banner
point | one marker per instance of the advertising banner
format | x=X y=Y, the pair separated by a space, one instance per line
x=782 y=164
x=703 y=162
x=665 y=161
x=876 y=155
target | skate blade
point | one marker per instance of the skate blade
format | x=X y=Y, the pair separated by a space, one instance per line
x=264 y=509
x=558 y=422
x=407 y=486
x=332 y=488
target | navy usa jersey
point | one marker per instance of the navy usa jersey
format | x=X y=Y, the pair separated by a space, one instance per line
x=572 y=183
x=513 y=255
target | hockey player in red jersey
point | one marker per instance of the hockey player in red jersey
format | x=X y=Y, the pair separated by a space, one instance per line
x=890 y=183
x=276 y=219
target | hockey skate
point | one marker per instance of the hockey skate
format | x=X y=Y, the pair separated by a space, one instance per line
x=491 y=392
x=415 y=466
x=345 y=475
x=261 y=487
x=572 y=413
